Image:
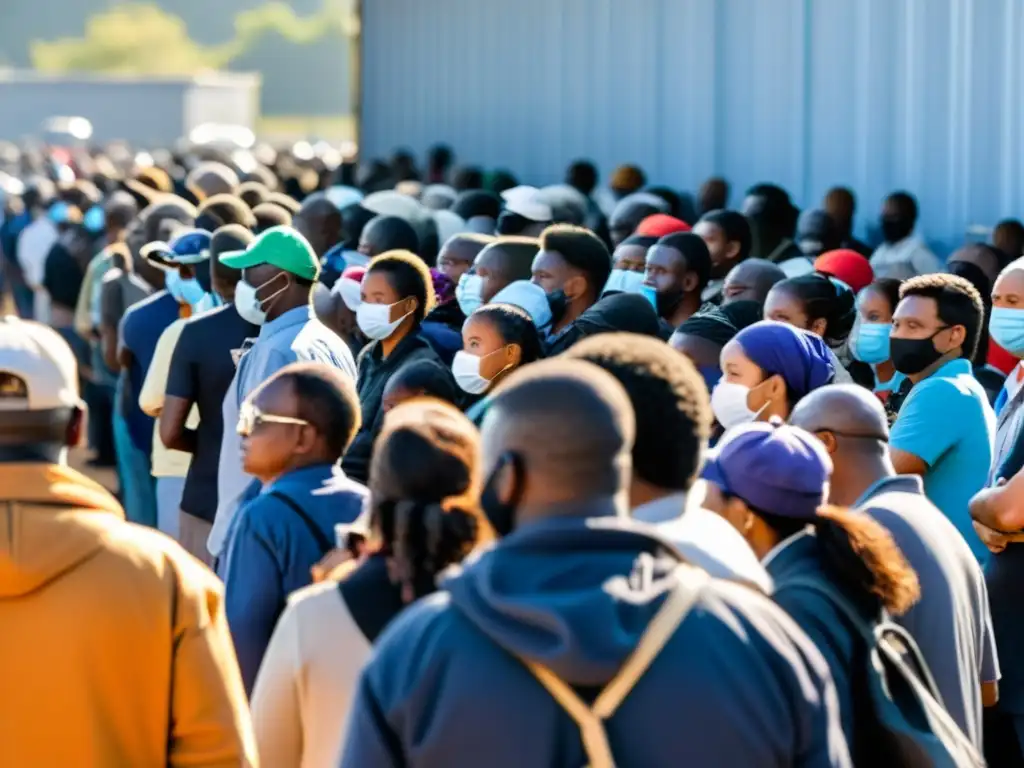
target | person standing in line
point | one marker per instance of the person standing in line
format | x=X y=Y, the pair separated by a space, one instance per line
x=572 y=267
x=186 y=260
x=279 y=270
x=677 y=271
x=423 y=516
x=945 y=431
x=902 y=254
x=841 y=205
x=295 y=428
x=962 y=657
x=673 y=424
x=397 y=292
x=769 y=481
x=150 y=677
x=35 y=242
x=202 y=369
x=751 y=280
x=869 y=340
x=1006 y=328
x=727 y=236
x=570 y=591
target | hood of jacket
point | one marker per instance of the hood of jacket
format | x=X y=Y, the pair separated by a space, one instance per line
x=52 y=519
x=574 y=594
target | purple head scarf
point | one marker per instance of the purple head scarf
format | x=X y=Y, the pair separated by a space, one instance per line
x=444 y=288
x=799 y=357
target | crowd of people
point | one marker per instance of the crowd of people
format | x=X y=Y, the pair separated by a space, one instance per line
x=426 y=467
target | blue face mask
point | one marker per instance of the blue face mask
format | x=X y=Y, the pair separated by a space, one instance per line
x=624 y=281
x=1006 y=326
x=650 y=293
x=870 y=343
x=184 y=291
x=467 y=293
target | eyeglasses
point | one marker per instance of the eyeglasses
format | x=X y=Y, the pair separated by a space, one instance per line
x=250 y=417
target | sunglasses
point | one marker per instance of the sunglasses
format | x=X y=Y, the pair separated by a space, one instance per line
x=250 y=418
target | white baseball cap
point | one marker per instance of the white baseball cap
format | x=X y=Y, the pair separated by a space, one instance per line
x=38 y=370
x=528 y=202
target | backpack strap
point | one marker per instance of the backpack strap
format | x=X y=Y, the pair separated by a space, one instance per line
x=322 y=541
x=918 y=665
x=682 y=596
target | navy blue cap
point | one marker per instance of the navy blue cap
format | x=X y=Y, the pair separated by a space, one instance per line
x=773 y=467
x=188 y=247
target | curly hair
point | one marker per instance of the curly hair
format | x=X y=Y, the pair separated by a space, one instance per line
x=957 y=302
x=670 y=402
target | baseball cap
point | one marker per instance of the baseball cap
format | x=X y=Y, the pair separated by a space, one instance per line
x=846 y=265
x=38 y=371
x=349 y=286
x=282 y=247
x=528 y=202
x=773 y=467
x=188 y=247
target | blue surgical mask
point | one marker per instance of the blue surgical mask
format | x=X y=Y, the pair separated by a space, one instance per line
x=870 y=343
x=624 y=281
x=467 y=293
x=1006 y=326
x=650 y=293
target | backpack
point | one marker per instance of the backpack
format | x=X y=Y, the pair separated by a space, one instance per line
x=590 y=719
x=909 y=726
x=323 y=542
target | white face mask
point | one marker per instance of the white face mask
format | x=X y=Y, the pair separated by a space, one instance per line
x=624 y=281
x=466 y=369
x=374 y=320
x=467 y=293
x=729 y=403
x=251 y=308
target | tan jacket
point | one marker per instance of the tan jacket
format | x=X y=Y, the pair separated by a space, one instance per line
x=114 y=649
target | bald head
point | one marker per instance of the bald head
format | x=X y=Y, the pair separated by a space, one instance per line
x=211 y=178
x=847 y=411
x=571 y=425
x=319 y=221
x=751 y=280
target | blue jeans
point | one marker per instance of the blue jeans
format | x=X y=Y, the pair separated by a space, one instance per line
x=138 y=496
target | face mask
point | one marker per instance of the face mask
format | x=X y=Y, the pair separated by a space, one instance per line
x=666 y=303
x=558 y=302
x=249 y=306
x=192 y=292
x=911 y=356
x=870 y=343
x=729 y=403
x=466 y=369
x=467 y=293
x=624 y=281
x=374 y=320
x=172 y=282
x=895 y=228
x=648 y=292
x=1006 y=326
x=502 y=515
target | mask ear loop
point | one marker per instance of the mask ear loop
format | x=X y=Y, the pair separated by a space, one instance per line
x=272 y=297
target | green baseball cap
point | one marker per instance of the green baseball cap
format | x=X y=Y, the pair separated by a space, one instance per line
x=283 y=247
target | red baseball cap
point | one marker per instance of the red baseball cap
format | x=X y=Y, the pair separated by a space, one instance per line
x=661 y=224
x=848 y=266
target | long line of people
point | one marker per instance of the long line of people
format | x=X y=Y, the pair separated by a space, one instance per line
x=758 y=455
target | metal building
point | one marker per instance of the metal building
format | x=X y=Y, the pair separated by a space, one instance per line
x=147 y=111
x=925 y=95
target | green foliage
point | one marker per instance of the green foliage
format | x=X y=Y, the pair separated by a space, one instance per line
x=143 y=39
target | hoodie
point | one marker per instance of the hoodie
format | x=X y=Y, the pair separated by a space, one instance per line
x=113 y=640
x=737 y=684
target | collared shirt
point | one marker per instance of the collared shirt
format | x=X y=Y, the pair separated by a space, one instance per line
x=908 y=258
x=947 y=422
x=953 y=596
x=1009 y=418
x=705 y=539
x=783 y=545
x=294 y=336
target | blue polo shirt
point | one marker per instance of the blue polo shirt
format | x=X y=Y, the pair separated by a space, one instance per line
x=947 y=422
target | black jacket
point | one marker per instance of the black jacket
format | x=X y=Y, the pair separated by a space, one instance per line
x=374 y=372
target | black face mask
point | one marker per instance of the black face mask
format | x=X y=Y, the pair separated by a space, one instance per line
x=895 y=228
x=559 y=303
x=667 y=302
x=911 y=356
x=502 y=514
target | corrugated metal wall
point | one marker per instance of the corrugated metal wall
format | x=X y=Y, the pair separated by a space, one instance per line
x=926 y=95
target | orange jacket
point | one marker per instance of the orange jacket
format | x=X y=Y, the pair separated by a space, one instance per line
x=114 y=649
